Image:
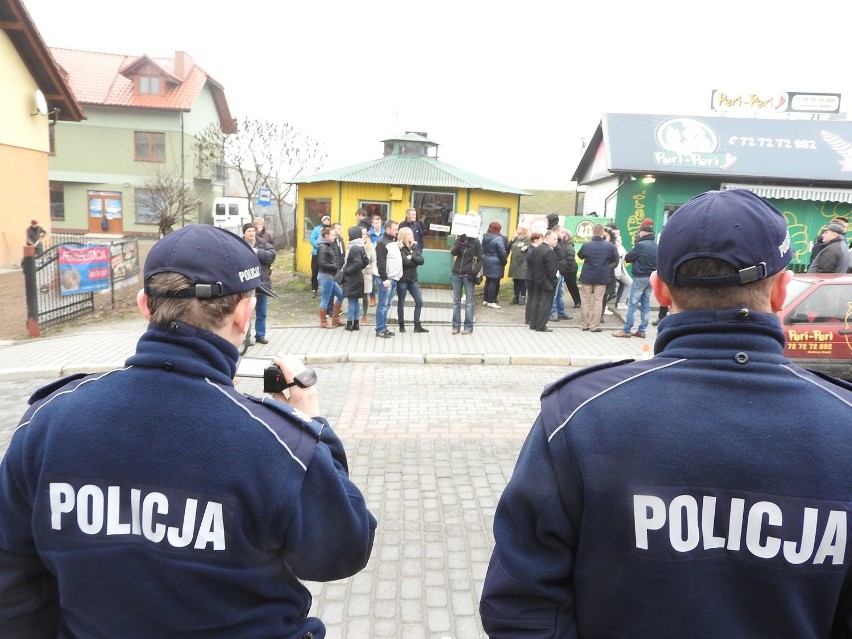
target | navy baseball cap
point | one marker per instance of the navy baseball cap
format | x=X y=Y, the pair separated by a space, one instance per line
x=216 y=261
x=735 y=226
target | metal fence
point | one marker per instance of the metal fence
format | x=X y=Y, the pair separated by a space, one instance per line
x=50 y=298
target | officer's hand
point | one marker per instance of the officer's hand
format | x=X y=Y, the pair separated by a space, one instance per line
x=303 y=399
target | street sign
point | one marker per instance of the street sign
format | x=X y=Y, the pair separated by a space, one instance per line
x=264 y=197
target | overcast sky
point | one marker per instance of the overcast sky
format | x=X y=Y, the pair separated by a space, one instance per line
x=507 y=89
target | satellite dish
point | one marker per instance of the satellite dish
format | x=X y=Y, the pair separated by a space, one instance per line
x=40 y=103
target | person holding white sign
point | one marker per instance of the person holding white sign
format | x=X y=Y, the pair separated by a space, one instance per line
x=466 y=271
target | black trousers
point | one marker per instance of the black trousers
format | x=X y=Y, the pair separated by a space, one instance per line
x=530 y=296
x=573 y=289
x=314 y=271
x=541 y=302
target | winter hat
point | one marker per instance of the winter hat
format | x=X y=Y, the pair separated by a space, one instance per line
x=552 y=220
x=216 y=261
x=836 y=228
x=735 y=226
x=355 y=232
x=247 y=226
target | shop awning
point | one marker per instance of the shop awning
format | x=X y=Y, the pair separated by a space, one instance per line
x=783 y=192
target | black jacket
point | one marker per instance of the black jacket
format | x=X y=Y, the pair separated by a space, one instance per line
x=327 y=257
x=353 y=270
x=643 y=256
x=411 y=259
x=468 y=254
x=382 y=255
x=544 y=267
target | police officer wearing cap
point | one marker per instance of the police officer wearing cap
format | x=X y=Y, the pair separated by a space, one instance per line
x=704 y=492
x=155 y=500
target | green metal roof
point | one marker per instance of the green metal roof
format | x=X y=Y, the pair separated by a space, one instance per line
x=410 y=171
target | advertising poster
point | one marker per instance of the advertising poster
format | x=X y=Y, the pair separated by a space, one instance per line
x=83 y=269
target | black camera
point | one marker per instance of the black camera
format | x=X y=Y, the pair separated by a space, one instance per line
x=274 y=382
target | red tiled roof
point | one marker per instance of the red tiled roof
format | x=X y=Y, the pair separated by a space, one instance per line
x=96 y=79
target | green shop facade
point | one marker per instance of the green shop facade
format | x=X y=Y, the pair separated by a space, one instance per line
x=646 y=166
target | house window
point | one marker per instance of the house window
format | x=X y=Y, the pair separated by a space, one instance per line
x=149 y=84
x=149 y=146
x=314 y=210
x=57 y=201
x=382 y=209
x=149 y=203
x=435 y=212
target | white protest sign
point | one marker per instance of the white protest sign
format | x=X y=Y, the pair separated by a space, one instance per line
x=466 y=225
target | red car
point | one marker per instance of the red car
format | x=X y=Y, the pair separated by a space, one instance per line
x=817 y=322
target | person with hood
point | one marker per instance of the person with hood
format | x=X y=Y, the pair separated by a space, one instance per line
x=356 y=261
x=833 y=257
x=494 y=263
x=411 y=259
x=266 y=256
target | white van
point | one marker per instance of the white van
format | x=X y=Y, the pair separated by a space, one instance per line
x=231 y=213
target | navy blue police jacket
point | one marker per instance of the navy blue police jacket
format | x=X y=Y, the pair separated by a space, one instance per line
x=157 y=501
x=704 y=492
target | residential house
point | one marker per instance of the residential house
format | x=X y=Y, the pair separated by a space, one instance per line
x=34 y=96
x=143 y=116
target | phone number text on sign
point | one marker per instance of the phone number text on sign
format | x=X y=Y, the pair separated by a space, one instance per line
x=771 y=143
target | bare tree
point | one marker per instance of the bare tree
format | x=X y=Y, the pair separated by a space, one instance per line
x=170 y=198
x=262 y=154
x=287 y=155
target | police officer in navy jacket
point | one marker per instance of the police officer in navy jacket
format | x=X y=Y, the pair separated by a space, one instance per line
x=157 y=501
x=704 y=492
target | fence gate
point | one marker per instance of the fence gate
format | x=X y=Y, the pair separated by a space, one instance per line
x=53 y=307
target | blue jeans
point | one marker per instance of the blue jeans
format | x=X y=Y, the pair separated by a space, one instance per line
x=376 y=284
x=557 y=309
x=640 y=293
x=461 y=282
x=330 y=291
x=383 y=306
x=353 y=309
x=414 y=289
x=260 y=319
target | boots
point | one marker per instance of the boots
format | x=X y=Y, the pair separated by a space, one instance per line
x=335 y=316
x=514 y=301
x=324 y=319
x=356 y=326
x=364 y=319
x=522 y=300
x=348 y=326
x=401 y=326
x=418 y=328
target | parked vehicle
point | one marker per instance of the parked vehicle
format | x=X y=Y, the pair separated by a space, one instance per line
x=231 y=213
x=817 y=321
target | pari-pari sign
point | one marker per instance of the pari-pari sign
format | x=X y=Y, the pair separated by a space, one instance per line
x=775 y=102
x=83 y=269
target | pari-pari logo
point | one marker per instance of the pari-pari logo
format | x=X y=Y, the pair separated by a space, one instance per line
x=689 y=143
x=842 y=147
x=584 y=231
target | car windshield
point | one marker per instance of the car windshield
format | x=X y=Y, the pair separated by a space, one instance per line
x=794 y=289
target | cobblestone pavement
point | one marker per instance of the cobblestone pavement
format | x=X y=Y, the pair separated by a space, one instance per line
x=432 y=448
